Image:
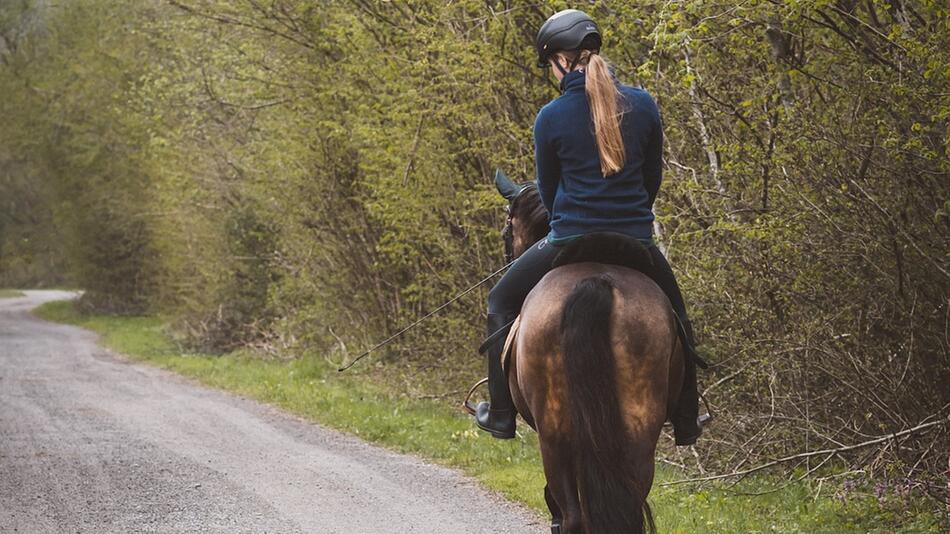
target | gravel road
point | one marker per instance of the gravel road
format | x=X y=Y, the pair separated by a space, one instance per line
x=90 y=442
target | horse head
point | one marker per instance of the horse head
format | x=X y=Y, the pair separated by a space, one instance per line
x=527 y=220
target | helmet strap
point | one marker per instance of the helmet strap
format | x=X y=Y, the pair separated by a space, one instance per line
x=575 y=60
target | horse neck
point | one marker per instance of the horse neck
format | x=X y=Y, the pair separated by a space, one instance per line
x=535 y=220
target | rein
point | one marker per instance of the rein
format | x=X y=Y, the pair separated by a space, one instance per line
x=508 y=235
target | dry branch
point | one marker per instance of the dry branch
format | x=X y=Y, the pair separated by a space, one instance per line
x=823 y=452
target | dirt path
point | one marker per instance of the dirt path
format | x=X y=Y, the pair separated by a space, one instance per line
x=92 y=443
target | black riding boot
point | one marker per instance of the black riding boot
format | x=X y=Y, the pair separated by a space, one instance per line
x=498 y=417
x=687 y=425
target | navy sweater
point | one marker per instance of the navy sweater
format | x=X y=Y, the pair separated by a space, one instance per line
x=577 y=196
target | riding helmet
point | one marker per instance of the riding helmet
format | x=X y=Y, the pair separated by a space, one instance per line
x=566 y=30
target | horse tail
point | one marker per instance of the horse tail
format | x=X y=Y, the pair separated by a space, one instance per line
x=611 y=499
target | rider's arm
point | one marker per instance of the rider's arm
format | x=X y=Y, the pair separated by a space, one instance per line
x=653 y=163
x=547 y=166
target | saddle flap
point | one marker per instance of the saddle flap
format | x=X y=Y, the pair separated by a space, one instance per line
x=510 y=343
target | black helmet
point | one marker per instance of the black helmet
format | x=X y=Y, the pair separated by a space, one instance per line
x=566 y=30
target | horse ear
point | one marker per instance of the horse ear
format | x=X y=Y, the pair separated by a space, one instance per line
x=505 y=186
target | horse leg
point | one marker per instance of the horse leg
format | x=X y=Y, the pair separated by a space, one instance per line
x=560 y=493
x=644 y=469
x=554 y=509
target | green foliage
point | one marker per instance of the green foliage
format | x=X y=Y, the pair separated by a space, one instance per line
x=77 y=151
x=303 y=176
x=28 y=237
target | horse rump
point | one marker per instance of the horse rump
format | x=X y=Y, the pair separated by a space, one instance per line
x=610 y=499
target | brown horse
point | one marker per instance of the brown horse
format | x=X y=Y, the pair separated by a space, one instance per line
x=595 y=365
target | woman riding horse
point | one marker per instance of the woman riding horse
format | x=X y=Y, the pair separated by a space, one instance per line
x=598 y=150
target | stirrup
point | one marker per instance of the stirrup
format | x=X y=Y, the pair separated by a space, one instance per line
x=467 y=403
x=709 y=415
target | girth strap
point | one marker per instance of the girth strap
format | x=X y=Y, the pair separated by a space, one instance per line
x=681 y=330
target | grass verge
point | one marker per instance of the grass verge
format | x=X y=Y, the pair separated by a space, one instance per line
x=435 y=430
x=11 y=293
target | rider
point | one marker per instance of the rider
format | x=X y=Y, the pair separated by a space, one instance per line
x=602 y=178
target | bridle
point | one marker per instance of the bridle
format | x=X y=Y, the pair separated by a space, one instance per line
x=507 y=233
x=508 y=236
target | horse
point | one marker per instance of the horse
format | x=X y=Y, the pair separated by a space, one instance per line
x=595 y=365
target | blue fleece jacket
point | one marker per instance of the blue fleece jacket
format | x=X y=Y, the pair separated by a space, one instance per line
x=578 y=197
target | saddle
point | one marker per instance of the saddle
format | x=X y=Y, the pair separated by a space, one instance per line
x=607 y=247
x=602 y=247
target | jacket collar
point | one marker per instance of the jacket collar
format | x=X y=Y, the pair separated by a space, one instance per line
x=573 y=81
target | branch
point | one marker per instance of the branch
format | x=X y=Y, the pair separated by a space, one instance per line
x=415 y=148
x=824 y=452
x=224 y=19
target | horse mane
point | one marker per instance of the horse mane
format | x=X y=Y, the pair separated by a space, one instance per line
x=607 y=247
x=528 y=207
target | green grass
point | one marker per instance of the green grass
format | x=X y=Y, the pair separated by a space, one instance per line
x=11 y=293
x=435 y=430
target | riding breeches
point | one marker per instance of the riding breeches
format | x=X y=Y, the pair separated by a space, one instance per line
x=507 y=296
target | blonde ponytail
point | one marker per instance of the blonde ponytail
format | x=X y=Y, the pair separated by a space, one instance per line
x=603 y=94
